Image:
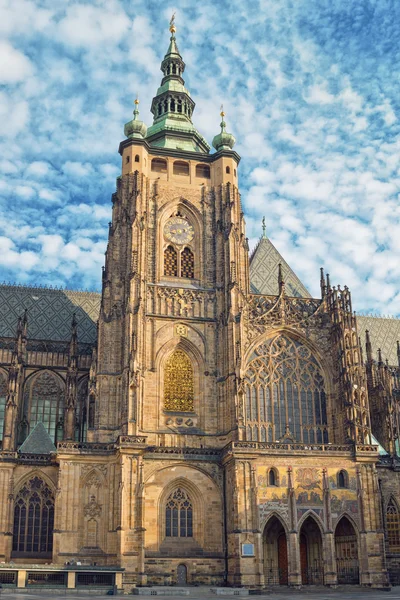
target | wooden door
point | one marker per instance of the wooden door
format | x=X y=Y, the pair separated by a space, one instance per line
x=182 y=575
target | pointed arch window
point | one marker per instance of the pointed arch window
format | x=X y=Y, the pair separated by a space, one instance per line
x=33 y=520
x=170 y=262
x=342 y=479
x=187 y=263
x=272 y=478
x=44 y=399
x=393 y=527
x=285 y=392
x=179 y=383
x=179 y=515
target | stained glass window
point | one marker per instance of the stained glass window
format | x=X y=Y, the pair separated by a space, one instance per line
x=393 y=527
x=178 y=383
x=285 y=388
x=179 y=515
x=33 y=519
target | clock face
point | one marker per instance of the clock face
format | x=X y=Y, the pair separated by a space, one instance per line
x=178 y=230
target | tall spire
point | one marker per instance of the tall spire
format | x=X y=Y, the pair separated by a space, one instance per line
x=172 y=107
x=264 y=228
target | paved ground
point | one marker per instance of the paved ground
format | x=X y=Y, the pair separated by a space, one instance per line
x=206 y=594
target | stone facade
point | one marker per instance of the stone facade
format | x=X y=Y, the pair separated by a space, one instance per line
x=264 y=471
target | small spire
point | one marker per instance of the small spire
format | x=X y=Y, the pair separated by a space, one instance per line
x=361 y=350
x=328 y=283
x=264 y=227
x=73 y=344
x=224 y=140
x=368 y=346
x=380 y=361
x=281 y=283
x=136 y=110
x=322 y=283
x=135 y=128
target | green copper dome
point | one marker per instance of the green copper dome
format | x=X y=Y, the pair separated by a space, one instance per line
x=135 y=128
x=224 y=140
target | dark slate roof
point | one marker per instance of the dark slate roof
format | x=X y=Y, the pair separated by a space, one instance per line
x=384 y=333
x=49 y=312
x=38 y=442
x=264 y=272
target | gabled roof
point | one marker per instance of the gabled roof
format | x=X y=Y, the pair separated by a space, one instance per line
x=384 y=333
x=49 y=312
x=38 y=442
x=264 y=272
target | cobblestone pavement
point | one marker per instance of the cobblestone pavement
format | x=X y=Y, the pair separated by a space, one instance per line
x=206 y=594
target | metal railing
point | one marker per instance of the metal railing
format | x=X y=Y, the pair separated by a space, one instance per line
x=312 y=576
x=46 y=579
x=95 y=579
x=276 y=576
x=348 y=571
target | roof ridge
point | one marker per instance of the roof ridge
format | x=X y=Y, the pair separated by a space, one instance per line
x=377 y=316
x=40 y=287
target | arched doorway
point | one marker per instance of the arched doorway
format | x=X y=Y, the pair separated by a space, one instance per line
x=181 y=575
x=275 y=553
x=312 y=569
x=346 y=552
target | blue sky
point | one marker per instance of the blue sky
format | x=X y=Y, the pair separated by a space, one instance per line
x=311 y=92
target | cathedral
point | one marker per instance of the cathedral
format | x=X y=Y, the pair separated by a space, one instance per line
x=204 y=420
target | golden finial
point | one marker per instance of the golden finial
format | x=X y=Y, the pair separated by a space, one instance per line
x=222 y=111
x=172 y=27
x=137 y=100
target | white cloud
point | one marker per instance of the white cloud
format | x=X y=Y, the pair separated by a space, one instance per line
x=87 y=25
x=14 y=65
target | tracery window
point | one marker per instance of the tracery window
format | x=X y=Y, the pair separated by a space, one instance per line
x=170 y=262
x=179 y=515
x=44 y=401
x=3 y=397
x=178 y=383
x=187 y=263
x=393 y=527
x=285 y=389
x=33 y=519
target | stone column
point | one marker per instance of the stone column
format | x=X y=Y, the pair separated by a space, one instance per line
x=294 y=567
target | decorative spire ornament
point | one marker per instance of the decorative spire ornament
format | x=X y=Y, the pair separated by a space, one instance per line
x=264 y=227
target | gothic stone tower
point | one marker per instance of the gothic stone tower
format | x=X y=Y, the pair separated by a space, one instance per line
x=176 y=267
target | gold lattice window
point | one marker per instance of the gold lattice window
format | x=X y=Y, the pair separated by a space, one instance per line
x=170 y=262
x=178 y=383
x=393 y=527
x=285 y=388
x=187 y=263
